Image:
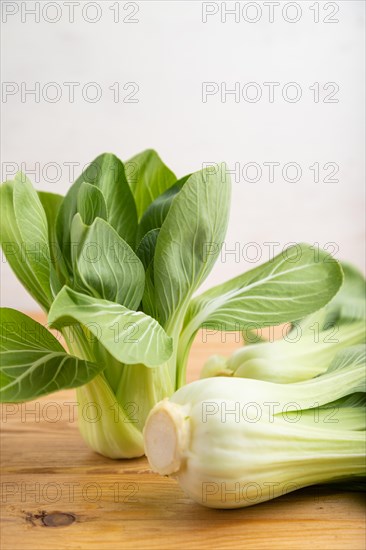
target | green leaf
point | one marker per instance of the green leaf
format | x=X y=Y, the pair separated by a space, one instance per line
x=157 y=211
x=57 y=281
x=107 y=267
x=20 y=332
x=286 y=288
x=148 y=177
x=64 y=219
x=347 y=306
x=77 y=234
x=33 y=362
x=146 y=252
x=130 y=336
x=24 y=237
x=112 y=182
x=107 y=173
x=190 y=239
x=11 y=242
x=91 y=203
x=148 y=298
x=51 y=203
x=33 y=227
x=146 y=248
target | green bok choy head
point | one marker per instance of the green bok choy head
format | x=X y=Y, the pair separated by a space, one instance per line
x=115 y=264
x=238 y=442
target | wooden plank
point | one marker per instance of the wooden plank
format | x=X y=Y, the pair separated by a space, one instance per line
x=57 y=494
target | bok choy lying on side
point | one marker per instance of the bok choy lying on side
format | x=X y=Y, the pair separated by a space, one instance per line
x=311 y=344
x=237 y=442
x=115 y=264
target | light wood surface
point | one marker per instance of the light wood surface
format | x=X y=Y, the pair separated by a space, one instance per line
x=57 y=494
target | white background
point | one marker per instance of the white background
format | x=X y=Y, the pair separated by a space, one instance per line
x=169 y=53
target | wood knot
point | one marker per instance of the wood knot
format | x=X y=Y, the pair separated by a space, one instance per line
x=51 y=519
x=58 y=519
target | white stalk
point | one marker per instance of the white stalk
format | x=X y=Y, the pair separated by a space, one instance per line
x=236 y=442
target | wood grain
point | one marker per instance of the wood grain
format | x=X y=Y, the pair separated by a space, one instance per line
x=57 y=494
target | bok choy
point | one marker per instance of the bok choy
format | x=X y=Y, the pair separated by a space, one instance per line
x=234 y=443
x=115 y=263
x=310 y=346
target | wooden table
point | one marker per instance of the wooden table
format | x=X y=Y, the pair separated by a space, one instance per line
x=57 y=494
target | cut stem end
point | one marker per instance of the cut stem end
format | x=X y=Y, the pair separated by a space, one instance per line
x=166 y=436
